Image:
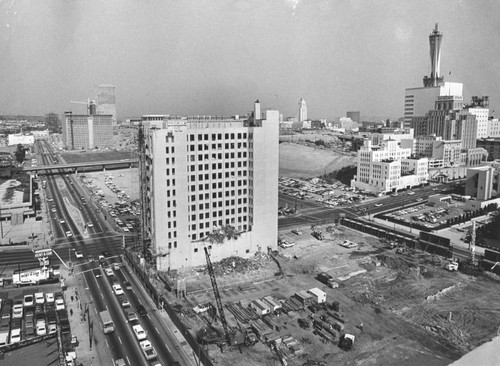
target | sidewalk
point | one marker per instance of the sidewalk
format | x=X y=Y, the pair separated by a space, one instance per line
x=76 y=297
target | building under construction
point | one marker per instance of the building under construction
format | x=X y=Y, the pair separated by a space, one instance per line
x=87 y=131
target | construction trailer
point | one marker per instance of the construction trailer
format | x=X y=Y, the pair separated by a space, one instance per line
x=260 y=307
x=304 y=298
x=318 y=295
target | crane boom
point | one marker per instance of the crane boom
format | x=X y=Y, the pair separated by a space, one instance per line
x=218 y=301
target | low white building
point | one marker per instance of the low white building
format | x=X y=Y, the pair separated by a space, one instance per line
x=388 y=167
x=318 y=294
x=18 y=138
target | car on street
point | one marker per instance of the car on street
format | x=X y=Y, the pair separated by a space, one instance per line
x=148 y=350
x=78 y=254
x=89 y=224
x=378 y=204
x=141 y=310
x=117 y=289
x=131 y=316
x=128 y=285
x=125 y=303
x=139 y=332
x=53 y=210
x=69 y=234
x=62 y=221
x=39 y=298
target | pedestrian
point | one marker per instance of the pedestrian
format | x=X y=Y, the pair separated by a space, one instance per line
x=72 y=298
x=361 y=327
x=71 y=312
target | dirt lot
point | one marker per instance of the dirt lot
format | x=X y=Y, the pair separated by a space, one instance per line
x=299 y=161
x=413 y=311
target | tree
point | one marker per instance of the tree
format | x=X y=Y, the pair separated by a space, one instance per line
x=20 y=153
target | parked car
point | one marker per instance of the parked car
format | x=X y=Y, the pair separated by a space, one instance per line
x=117 y=289
x=78 y=254
x=39 y=298
x=28 y=300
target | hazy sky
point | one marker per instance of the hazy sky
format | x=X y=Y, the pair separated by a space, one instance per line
x=191 y=57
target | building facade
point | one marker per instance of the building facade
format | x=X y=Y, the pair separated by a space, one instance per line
x=482 y=182
x=388 y=167
x=87 y=131
x=204 y=174
x=492 y=146
x=106 y=101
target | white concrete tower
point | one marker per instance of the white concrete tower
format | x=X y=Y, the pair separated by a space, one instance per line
x=302 y=110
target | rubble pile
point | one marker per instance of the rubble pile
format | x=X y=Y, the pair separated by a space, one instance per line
x=232 y=265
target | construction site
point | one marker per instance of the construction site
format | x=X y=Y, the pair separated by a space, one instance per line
x=377 y=305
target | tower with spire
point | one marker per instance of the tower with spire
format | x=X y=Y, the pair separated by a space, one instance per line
x=435 y=39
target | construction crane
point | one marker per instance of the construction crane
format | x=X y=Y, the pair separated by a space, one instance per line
x=89 y=103
x=218 y=301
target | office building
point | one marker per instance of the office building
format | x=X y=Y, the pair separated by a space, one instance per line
x=106 y=101
x=492 y=146
x=302 y=110
x=388 y=167
x=87 y=131
x=493 y=128
x=482 y=182
x=479 y=108
x=201 y=174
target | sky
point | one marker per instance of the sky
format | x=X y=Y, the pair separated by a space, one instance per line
x=215 y=57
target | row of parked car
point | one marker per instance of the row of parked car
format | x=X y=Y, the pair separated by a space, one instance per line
x=35 y=315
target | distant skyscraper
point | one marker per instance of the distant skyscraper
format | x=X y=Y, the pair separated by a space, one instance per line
x=302 y=110
x=354 y=116
x=435 y=39
x=52 y=122
x=106 y=102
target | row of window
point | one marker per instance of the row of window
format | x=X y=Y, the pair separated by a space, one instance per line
x=241 y=164
x=227 y=146
x=218 y=136
x=206 y=205
x=219 y=213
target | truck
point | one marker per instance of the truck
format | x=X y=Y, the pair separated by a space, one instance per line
x=148 y=350
x=326 y=279
x=30 y=276
x=347 y=342
x=452 y=266
x=107 y=323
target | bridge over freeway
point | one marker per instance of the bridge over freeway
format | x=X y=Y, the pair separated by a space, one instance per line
x=84 y=166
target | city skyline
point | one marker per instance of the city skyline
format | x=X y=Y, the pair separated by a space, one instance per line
x=199 y=58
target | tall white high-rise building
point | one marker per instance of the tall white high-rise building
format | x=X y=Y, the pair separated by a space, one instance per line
x=201 y=174
x=302 y=110
x=106 y=101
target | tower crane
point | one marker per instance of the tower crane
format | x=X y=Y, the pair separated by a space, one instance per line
x=89 y=103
